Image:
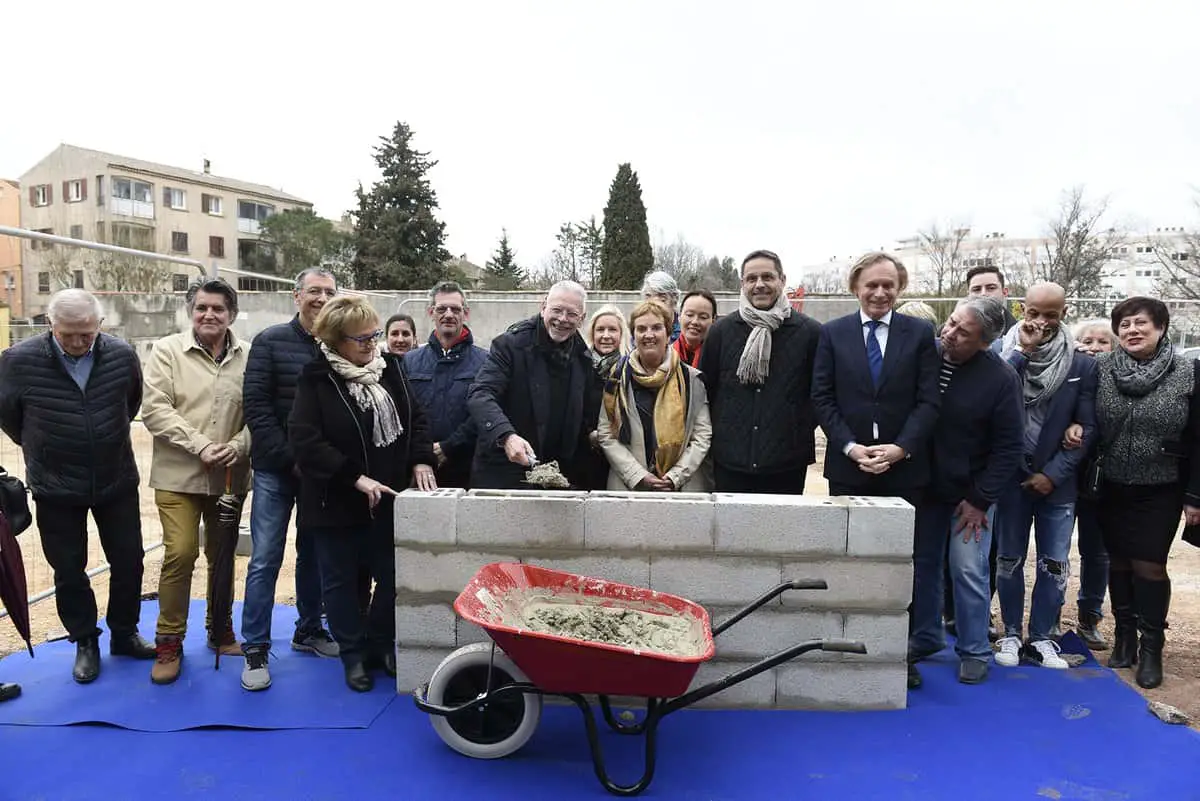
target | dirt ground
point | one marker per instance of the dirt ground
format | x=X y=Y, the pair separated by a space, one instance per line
x=1181 y=660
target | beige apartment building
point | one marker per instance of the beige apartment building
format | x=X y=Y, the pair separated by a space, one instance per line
x=10 y=248
x=86 y=194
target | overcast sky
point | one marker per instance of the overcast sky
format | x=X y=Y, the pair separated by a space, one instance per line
x=817 y=129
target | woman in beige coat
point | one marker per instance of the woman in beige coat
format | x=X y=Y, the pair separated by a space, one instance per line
x=654 y=426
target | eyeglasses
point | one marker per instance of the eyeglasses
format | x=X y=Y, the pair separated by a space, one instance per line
x=455 y=310
x=316 y=292
x=570 y=314
x=366 y=339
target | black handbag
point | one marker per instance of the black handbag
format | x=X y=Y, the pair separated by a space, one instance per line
x=14 y=502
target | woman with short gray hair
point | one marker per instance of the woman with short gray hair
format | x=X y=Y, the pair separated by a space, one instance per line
x=662 y=286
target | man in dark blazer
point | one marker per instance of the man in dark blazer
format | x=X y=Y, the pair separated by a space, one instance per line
x=1059 y=388
x=875 y=388
x=537 y=396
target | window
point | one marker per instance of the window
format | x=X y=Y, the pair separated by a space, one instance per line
x=43 y=282
x=75 y=191
x=34 y=244
x=139 y=237
x=174 y=199
x=78 y=279
x=179 y=282
x=77 y=232
x=129 y=189
x=251 y=215
x=179 y=242
x=40 y=195
x=254 y=285
x=216 y=247
x=211 y=204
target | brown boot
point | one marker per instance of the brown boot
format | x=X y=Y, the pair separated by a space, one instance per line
x=168 y=659
x=228 y=645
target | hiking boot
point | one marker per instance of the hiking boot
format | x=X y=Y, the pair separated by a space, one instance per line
x=1046 y=654
x=255 y=675
x=228 y=645
x=1009 y=654
x=318 y=642
x=168 y=660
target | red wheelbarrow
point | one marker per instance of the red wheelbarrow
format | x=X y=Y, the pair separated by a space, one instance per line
x=485 y=699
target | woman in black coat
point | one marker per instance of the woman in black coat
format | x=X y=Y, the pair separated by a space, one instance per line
x=358 y=437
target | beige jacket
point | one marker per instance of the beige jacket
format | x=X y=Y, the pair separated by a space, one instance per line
x=628 y=464
x=190 y=402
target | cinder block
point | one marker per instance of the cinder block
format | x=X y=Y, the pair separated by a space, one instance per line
x=425 y=625
x=841 y=685
x=853 y=584
x=466 y=633
x=769 y=630
x=880 y=527
x=428 y=517
x=649 y=521
x=885 y=635
x=783 y=524
x=428 y=571
x=757 y=692
x=526 y=518
x=415 y=666
x=714 y=579
x=632 y=570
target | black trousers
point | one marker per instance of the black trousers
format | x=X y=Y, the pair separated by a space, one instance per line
x=63 y=528
x=789 y=482
x=343 y=553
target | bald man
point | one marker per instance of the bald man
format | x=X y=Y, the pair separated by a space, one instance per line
x=1059 y=387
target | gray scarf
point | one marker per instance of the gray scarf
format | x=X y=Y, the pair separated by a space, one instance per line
x=1139 y=378
x=1048 y=367
x=369 y=394
x=755 y=363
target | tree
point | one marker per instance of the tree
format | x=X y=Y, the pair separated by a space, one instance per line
x=716 y=275
x=680 y=259
x=591 y=249
x=1180 y=260
x=942 y=246
x=567 y=255
x=302 y=239
x=399 y=242
x=59 y=261
x=830 y=281
x=626 y=256
x=501 y=270
x=120 y=272
x=1077 y=248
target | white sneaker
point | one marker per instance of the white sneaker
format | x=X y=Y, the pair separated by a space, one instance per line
x=255 y=675
x=1009 y=654
x=1046 y=653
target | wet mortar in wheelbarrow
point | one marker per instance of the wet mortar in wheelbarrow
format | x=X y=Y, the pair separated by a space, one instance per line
x=562 y=634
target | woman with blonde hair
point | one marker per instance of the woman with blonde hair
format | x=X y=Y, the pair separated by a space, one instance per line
x=608 y=337
x=654 y=425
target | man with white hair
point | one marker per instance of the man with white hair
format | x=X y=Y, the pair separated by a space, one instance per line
x=67 y=398
x=661 y=286
x=536 y=398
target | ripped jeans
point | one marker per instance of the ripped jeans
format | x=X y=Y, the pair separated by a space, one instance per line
x=1053 y=524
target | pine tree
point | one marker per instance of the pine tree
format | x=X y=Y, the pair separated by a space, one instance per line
x=501 y=271
x=398 y=239
x=626 y=255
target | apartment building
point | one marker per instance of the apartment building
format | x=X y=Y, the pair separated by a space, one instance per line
x=86 y=194
x=10 y=248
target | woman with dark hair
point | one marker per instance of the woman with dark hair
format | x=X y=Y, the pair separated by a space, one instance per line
x=696 y=315
x=401 y=332
x=1147 y=409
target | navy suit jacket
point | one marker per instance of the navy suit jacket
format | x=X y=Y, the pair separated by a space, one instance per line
x=1074 y=402
x=904 y=405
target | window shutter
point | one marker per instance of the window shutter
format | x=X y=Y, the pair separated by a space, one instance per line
x=49 y=194
x=66 y=191
x=33 y=196
x=167 y=196
x=83 y=188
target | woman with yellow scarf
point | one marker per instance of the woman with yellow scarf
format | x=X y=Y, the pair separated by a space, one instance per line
x=654 y=426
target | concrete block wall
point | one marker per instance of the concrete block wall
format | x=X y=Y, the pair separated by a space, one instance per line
x=719 y=550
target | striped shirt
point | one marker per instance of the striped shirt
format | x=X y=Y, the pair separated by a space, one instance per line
x=946 y=373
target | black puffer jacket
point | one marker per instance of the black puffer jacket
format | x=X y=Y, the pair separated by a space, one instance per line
x=769 y=428
x=277 y=356
x=331 y=438
x=76 y=443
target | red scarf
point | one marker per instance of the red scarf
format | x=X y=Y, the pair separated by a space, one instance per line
x=681 y=349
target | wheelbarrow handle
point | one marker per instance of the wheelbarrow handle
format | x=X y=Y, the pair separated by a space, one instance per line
x=844 y=646
x=767 y=597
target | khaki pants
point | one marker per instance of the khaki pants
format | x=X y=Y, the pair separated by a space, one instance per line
x=180 y=514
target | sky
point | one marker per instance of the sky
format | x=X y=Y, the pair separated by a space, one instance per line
x=815 y=129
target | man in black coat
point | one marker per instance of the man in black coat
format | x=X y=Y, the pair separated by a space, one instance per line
x=67 y=398
x=757 y=366
x=277 y=357
x=537 y=396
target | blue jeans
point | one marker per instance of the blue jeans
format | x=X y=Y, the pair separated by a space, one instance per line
x=1093 y=559
x=969 y=578
x=271 y=505
x=1053 y=524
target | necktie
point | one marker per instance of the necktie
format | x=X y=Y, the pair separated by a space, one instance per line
x=874 y=353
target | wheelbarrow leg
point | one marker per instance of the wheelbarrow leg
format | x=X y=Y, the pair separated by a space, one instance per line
x=627 y=728
x=650 y=726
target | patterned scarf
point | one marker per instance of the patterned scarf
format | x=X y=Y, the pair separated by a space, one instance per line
x=365 y=387
x=1139 y=378
x=1048 y=367
x=755 y=363
x=670 y=404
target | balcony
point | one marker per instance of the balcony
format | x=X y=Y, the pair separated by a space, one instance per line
x=141 y=209
x=248 y=226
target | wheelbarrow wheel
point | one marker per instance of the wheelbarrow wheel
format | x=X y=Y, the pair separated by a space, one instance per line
x=491 y=730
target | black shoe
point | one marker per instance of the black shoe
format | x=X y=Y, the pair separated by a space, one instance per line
x=385 y=662
x=358 y=679
x=87 y=660
x=1086 y=629
x=9 y=691
x=131 y=645
x=1152 y=599
x=914 y=678
x=972 y=671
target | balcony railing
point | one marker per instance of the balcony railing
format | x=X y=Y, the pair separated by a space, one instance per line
x=131 y=208
x=247 y=226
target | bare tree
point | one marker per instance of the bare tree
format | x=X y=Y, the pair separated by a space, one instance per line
x=1180 y=260
x=567 y=256
x=1078 y=246
x=830 y=281
x=591 y=244
x=126 y=273
x=680 y=258
x=59 y=261
x=942 y=246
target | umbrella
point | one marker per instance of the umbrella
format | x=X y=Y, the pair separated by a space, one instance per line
x=229 y=514
x=14 y=592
